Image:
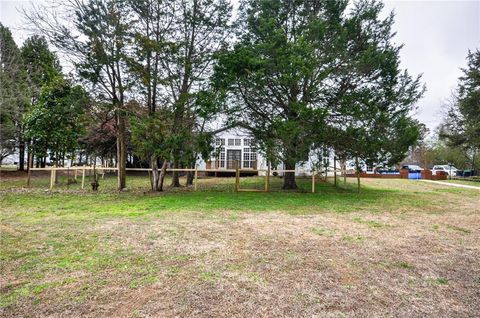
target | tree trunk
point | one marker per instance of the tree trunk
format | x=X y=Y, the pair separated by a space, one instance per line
x=29 y=153
x=474 y=158
x=334 y=171
x=162 y=175
x=21 y=153
x=358 y=174
x=175 y=175
x=191 y=174
x=289 y=182
x=155 y=174
x=121 y=151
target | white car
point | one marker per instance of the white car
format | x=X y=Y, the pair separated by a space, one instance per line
x=445 y=168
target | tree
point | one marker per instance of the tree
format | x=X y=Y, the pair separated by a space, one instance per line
x=461 y=126
x=371 y=99
x=13 y=96
x=42 y=67
x=419 y=152
x=152 y=139
x=7 y=136
x=311 y=74
x=100 y=136
x=172 y=55
x=95 y=36
x=199 y=29
x=56 y=122
x=153 y=24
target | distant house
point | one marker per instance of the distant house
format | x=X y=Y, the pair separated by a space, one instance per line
x=232 y=148
x=236 y=146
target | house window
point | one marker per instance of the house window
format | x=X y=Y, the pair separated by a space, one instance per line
x=238 y=142
x=230 y=142
x=253 y=154
x=249 y=158
x=219 y=142
x=369 y=168
x=246 y=157
x=248 y=142
x=222 y=158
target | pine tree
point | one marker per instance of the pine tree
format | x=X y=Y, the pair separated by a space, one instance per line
x=13 y=96
x=308 y=74
x=461 y=127
x=42 y=66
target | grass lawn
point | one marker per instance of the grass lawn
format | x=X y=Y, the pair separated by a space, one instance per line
x=466 y=182
x=399 y=248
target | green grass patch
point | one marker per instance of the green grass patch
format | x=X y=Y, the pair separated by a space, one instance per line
x=458 y=229
x=438 y=281
x=209 y=276
x=403 y=264
x=353 y=238
x=322 y=231
x=369 y=223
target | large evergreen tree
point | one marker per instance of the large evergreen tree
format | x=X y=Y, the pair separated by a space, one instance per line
x=461 y=127
x=56 y=122
x=308 y=74
x=13 y=96
x=41 y=63
x=42 y=67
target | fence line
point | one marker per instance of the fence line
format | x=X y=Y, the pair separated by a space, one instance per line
x=269 y=172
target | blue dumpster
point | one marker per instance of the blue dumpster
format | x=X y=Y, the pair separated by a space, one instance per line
x=415 y=175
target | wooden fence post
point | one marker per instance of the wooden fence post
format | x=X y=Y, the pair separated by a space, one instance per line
x=30 y=165
x=237 y=178
x=313 y=180
x=267 y=180
x=75 y=174
x=83 y=178
x=196 y=178
x=334 y=171
x=52 y=177
x=358 y=174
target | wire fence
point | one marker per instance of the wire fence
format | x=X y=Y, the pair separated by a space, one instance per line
x=139 y=179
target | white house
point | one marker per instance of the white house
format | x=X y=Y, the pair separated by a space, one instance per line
x=231 y=148
x=236 y=146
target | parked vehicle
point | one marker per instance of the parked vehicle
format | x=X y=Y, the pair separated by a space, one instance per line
x=451 y=171
x=412 y=168
x=383 y=170
x=466 y=173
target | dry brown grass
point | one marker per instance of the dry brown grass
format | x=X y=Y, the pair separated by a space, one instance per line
x=421 y=261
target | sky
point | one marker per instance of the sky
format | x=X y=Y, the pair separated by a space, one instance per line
x=436 y=36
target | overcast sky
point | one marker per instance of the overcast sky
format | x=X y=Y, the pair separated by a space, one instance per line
x=437 y=36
